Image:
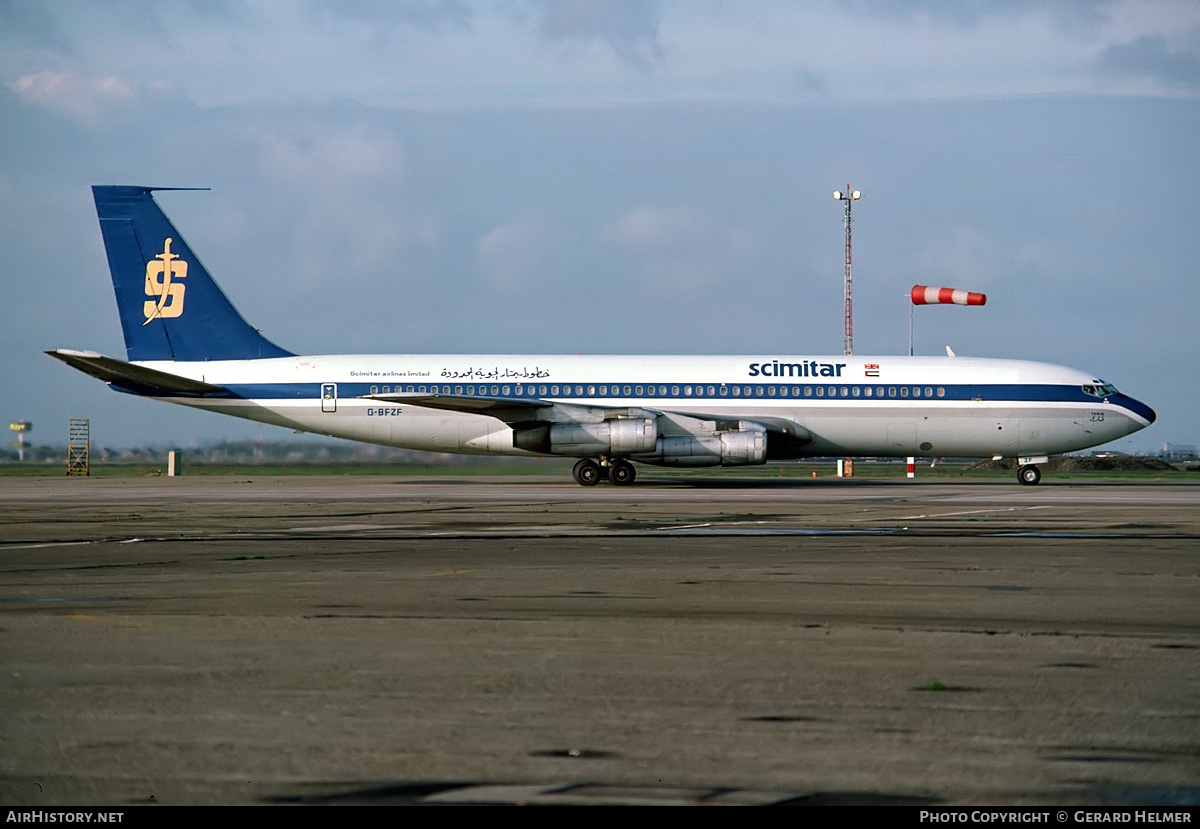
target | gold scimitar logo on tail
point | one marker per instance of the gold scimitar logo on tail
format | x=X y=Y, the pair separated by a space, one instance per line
x=168 y=295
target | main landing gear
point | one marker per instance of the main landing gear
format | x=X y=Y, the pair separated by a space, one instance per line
x=619 y=471
x=1029 y=474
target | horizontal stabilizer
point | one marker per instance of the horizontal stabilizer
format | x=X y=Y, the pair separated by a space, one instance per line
x=138 y=379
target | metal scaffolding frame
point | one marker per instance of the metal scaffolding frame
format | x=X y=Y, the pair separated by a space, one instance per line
x=78 y=441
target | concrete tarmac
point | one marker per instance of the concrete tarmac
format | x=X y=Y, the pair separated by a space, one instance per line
x=247 y=640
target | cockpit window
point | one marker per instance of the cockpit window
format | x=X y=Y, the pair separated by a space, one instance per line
x=1100 y=389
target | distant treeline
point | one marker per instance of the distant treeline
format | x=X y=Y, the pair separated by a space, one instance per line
x=247 y=452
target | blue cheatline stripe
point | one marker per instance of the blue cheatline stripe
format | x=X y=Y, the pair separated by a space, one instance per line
x=708 y=392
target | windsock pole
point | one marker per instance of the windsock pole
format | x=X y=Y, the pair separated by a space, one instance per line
x=927 y=295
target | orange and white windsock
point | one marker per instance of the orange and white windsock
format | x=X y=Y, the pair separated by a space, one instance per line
x=925 y=295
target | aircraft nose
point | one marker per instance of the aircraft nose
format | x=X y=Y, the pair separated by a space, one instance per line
x=1140 y=409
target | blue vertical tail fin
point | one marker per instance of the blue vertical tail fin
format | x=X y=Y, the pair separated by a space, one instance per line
x=170 y=307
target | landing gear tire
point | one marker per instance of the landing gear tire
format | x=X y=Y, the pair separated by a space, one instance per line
x=1029 y=475
x=621 y=473
x=587 y=472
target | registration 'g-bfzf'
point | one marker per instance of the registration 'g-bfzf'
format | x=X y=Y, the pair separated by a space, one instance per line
x=187 y=344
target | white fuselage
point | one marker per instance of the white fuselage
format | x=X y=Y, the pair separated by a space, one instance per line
x=847 y=405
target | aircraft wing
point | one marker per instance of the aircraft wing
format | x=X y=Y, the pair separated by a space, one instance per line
x=135 y=378
x=518 y=409
x=508 y=409
x=525 y=411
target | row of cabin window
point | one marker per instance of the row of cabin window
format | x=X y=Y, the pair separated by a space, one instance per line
x=662 y=391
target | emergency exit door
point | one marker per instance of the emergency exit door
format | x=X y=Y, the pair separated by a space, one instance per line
x=329 y=397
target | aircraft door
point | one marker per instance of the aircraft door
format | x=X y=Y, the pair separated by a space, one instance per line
x=329 y=397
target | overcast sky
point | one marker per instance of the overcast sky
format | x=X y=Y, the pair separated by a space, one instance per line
x=611 y=176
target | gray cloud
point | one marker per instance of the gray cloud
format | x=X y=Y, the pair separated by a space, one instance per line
x=1150 y=57
x=628 y=27
x=32 y=23
x=811 y=81
x=430 y=15
x=971 y=13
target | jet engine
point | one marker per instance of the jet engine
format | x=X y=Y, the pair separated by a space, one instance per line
x=619 y=437
x=730 y=447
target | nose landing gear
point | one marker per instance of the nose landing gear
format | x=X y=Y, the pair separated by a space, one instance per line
x=1029 y=474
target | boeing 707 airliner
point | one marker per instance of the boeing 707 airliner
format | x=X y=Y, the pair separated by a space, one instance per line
x=187 y=344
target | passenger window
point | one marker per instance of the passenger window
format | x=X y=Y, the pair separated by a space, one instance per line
x=941 y=392
x=374 y=389
x=904 y=391
x=854 y=391
x=639 y=391
x=724 y=391
x=820 y=391
x=867 y=391
x=845 y=392
x=674 y=391
x=808 y=391
x=770 y=391
x=891 y=391
x=928 y=391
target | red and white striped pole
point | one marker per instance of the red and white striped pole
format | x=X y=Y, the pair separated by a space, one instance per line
x=846 y=466
x=849 y=197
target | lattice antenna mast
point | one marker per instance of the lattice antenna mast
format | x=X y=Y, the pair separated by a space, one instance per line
x=848 y=196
